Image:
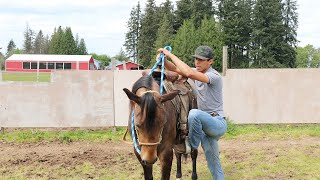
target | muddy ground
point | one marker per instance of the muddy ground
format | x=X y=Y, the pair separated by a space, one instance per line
x=115 y=160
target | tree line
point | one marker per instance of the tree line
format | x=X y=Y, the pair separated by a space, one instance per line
x=258 y=33
x=61 y=41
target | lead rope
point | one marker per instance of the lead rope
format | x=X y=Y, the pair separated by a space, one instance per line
x=161 y=58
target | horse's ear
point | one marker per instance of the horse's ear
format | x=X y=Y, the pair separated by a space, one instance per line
x=169 y=96
x=132 y=96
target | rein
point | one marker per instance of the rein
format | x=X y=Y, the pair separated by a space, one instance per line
x=133 y=130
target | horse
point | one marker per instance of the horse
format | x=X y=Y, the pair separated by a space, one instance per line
x=155 y=127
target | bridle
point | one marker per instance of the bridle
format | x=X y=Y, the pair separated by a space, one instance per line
x=160 y=136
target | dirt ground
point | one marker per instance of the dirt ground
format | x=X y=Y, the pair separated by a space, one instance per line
x=110 y=154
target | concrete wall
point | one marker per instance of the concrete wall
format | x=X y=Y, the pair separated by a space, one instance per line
x=96 y=98
x=272 y=95
x=72 y=99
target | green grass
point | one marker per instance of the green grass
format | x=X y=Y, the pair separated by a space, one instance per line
x=37 y=135
x=32 y=77
x=271 y=131
x=243 y=132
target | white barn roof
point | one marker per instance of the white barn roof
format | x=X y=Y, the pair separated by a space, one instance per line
x=49 y=57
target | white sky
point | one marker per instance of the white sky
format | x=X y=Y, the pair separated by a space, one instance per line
x=102 y=23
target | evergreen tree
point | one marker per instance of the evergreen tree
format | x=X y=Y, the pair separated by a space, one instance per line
x=291 y=25
x=182 y=13
x=46 y=45
x=68 y=44
x=82 y=49
x=132 y=36
x=236 y=19
x=185 y=42
x=55 y=46
x=39 y=43
x=148 y=34
x=166 y=11
x=10 y=48
x=210 y=34
x=201 y=9
x=270 y=48
x=28 y=40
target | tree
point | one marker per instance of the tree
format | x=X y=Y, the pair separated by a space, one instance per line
x=68 y=44
x=104 y=59
x=290 y=27
x=201 y=9
x=308 y=57
x=270 y=48
x=82 y=49
x=132 y=36
x=28 y=40
x=185 y=42
x=39 y=43
x=10 y=48
x=56 y=40
x=121 y=56
x=210 y=34
x=148 y=34
x=2 y=62
x=182 y=13
x=236 y=19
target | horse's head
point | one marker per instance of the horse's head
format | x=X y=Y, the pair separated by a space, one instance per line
x=149 y=117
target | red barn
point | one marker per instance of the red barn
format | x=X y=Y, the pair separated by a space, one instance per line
x=47 y=63
x=128 y=66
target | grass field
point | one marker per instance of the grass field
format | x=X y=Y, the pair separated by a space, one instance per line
x=32 y=77
x=246 y=152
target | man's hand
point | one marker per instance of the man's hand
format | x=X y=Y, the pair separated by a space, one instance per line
x=164 y=51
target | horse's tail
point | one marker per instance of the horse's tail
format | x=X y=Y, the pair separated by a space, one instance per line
x=124 y=137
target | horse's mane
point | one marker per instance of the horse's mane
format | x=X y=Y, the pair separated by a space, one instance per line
x=148 y=104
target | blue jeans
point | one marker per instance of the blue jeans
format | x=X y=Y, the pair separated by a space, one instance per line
x=207 y=129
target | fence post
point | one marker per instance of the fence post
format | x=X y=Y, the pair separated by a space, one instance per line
x=113 y=67
x=224 y=60
x=37 y=71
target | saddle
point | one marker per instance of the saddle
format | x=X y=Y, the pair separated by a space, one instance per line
x=183 y=102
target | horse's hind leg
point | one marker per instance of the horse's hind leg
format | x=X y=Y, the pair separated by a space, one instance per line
x=166 y=163
x=194 y=155
x=178 y=157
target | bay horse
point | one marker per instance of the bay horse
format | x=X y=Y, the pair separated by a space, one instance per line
x=155 y=127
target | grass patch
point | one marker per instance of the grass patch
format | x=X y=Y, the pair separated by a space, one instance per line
x=246 y=132
x=271 y=131
x=38 y=135
x=32 y=77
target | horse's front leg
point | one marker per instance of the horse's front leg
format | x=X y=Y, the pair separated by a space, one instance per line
x=178 y=157
x=194 y=155
x=166 y=157
x=147 y=169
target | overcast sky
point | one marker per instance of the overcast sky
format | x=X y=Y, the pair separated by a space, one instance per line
x=102 y=23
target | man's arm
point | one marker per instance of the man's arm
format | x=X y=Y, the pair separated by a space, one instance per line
x=182 y=68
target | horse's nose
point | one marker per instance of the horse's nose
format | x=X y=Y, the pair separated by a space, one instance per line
x=146 y=162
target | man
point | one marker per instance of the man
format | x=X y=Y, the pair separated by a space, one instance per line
x=207 y=123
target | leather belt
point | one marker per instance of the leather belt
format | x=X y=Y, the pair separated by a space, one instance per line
x=214 y=114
